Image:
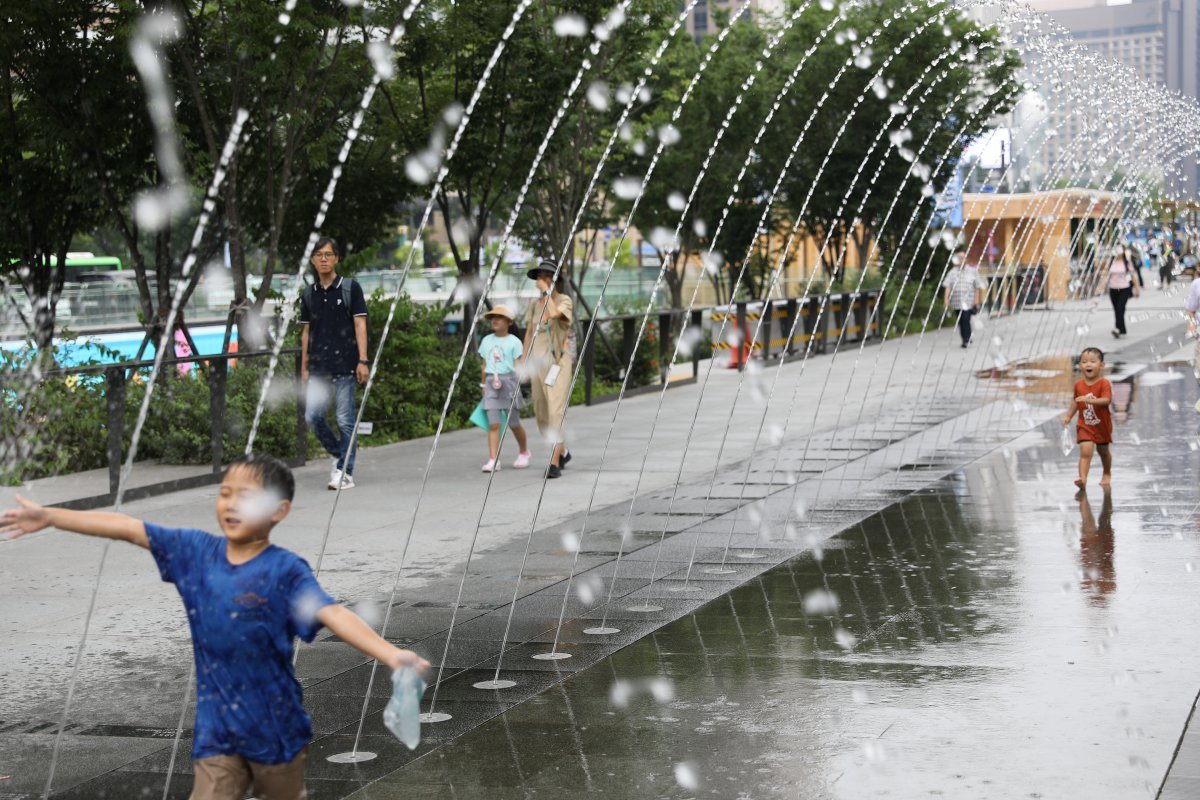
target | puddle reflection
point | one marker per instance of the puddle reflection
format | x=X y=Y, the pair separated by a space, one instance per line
x=1053 y=377
x=1096 y=550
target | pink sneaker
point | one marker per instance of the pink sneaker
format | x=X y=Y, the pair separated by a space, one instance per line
x=522 y=460
x=491 y=466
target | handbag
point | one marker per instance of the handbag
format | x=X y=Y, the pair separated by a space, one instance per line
x=479 y=417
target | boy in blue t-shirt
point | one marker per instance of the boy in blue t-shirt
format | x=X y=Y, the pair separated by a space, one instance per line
x=246 y=601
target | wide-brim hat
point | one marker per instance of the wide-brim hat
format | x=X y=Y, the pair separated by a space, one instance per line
x=501 y=311
x=543 y=266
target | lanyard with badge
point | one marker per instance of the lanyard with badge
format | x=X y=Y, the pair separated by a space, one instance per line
x=552 y=373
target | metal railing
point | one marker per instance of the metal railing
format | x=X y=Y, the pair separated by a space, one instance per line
x=847 y=316
x=116 y=379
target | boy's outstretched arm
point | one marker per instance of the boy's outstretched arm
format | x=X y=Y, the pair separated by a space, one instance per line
x=29 y=517
x=353 y=631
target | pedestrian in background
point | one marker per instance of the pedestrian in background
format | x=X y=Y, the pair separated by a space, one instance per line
x=550 y=359
x=502 y=401
x=1122 y=285
x=964 y=293
x=1191 y=307
x=333 y=357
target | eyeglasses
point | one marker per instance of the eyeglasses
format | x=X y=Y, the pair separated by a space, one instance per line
x=324 y=255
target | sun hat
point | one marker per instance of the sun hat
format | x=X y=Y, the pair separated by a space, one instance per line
x=501 y=311
x=543 y=266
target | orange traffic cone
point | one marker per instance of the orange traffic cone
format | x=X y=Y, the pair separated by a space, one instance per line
x=741 y=354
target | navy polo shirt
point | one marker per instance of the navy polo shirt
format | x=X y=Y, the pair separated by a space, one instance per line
x=332 y=348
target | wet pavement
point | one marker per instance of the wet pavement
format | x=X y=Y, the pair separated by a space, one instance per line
x=995 y=635
x=982 y=618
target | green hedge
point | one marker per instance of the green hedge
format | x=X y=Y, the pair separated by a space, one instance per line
x=58 y=425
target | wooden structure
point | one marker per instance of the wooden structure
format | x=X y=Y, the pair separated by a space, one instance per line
x=1013 y=233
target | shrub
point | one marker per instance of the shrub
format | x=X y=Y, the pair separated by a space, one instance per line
x=417 y=365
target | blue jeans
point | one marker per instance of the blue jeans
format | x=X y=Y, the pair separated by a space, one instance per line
x=322 y=389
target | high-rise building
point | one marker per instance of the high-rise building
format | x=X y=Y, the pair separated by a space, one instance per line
x=704 y=17
x=1158 y=39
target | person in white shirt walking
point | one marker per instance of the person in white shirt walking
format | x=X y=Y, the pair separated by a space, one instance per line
x=964 y=293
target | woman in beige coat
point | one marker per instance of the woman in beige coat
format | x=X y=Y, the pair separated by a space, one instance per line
x=549 y=359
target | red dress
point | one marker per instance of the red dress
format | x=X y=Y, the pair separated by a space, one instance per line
x=1095 y=422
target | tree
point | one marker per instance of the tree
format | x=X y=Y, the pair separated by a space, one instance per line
x=442 y=58
x=826 y=217
x=560 y=192
x=302 y=84
x=729 y=194
x=53 y=76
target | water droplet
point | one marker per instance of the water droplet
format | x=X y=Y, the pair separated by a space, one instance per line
x=627 y=188
x=620 y=693
x=662 y=690
x=845 y=639
x=382 y=59
x=453 y=114
x=668 y=134
x=676 y=201
x=875 y=752
x=598 y=95
x=686 y=777
x=663 y=239
x=570 y=542
x=573 y=25
x=713 y=262
x=821 y=602
x=370 y=612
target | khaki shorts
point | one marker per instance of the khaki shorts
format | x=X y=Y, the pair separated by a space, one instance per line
x=228 y=778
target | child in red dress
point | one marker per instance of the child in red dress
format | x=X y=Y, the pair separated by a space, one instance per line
x=1092 y=397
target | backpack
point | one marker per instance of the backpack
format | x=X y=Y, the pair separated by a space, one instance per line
x=310 y=290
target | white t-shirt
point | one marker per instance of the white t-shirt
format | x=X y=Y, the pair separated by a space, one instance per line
x=1193 y=298
x=962 y=283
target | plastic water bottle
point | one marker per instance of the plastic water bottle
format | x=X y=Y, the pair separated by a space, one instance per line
x=403 y=713
x=1067 y=442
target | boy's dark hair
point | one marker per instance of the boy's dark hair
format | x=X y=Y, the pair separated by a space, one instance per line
x=274 y=475
x=327 y=240
x=1099 y=353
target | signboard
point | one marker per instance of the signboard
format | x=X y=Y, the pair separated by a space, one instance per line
x=948 y=206
x=993 y=150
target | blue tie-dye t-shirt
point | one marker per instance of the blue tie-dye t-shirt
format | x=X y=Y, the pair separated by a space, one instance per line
x=244 y=619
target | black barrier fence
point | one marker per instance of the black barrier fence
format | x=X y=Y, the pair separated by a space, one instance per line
x=667 y=326
x=116 y=379
x=848 y=316
x=1009 y=292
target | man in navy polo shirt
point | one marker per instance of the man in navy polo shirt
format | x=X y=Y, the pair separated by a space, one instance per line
x=333 y=344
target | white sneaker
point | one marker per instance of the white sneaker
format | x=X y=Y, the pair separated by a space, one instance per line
x=347 y=482
x=491 y=466
x=334 y=471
